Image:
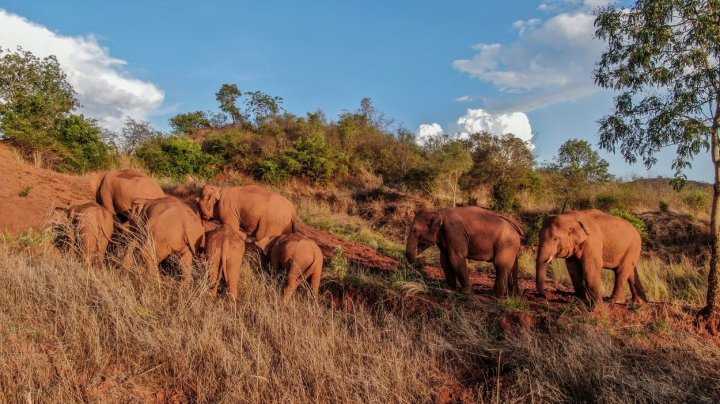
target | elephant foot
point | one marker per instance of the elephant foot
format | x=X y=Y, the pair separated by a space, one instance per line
x=617 y=300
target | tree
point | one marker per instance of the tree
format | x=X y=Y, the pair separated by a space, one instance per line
x=190 y=121
x=452 y=160
x=578 y=165
x=135 y=133
x=503 y=163
x=36 y=105
x=176 y=156
x=662 y=57
x=227 y=96
x=262 y=106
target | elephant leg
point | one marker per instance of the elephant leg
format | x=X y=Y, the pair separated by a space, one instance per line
x=505 y=264
x=185 y=260
x=313 y=275
x=214 y=274
x=575 y=271
x=591 y=269
x=293 y=281
x=514 y=278
x=232 y=277
x=458 y=263
x=622 y=276
x=450 y=278
x=636 y=287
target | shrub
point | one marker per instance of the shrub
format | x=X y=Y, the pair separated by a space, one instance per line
x=607 y=202
x=636 y=221
x=504 y=197
x=312 y=158
x=176 y=156
x=664 y=206
x=697 y=201
x=80 y=145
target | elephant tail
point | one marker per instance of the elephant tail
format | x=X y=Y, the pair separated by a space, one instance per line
x=514 y=225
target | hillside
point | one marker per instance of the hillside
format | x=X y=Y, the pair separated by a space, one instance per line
x=381 y=331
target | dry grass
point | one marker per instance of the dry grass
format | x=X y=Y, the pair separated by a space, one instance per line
x=72 y=333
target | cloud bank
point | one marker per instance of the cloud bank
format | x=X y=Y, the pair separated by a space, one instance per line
x=104 y=89
x=551 y=60
x=479 y=120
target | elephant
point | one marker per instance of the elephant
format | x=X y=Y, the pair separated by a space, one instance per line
x=254 y=210
x=300 y=258
x=173 y=227
x=225 y=248
x=472 y=233
x=90 y=232
x=590 y=240
x=117 y=189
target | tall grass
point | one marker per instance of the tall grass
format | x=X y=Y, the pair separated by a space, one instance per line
x=72 y=333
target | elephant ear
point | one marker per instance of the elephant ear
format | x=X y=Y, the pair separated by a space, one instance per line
x=211 y=191
x=579 y=233
x=434 y=223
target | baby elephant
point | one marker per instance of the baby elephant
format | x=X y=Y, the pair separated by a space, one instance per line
x=225 y=248
x=91 y=228
x=299 y=256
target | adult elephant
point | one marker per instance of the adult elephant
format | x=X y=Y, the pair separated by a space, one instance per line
x=117 y=189
x=468 y=233
x=254 y=210
x=173 y=228
x=590 y=240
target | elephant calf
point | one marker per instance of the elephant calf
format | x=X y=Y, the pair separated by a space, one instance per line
x=172 y=227
x=91 y=228
x=299 y=256
x=225 y=248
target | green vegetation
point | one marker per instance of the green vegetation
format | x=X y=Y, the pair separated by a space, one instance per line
x=637 y=223
x=36 y=105
x=175 y=157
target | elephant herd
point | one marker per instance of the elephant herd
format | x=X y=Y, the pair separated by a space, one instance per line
x=588 y=240
x=132 y=213
x=128 y=202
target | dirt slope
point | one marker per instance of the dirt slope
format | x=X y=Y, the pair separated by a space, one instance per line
x=43 y=190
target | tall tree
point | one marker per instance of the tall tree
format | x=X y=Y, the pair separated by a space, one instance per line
x=262 y=106
x=578 y=165
x=135 y=133
x=662 y=57
x=227 y=96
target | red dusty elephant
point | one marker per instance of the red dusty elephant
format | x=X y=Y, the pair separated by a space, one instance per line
x=117 y=189
x=468 y=233
x=590 y=240
x=300 y=258
x=90 y=232
x=252 y=209
x=172 y=227
x=225 y=248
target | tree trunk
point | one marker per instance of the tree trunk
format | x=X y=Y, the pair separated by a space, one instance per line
x=711 y=308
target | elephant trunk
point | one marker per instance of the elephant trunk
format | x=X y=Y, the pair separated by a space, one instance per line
x=411 y=249
x=543 y=259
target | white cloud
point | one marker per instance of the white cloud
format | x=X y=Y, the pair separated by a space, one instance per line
x=426 y=132
x=479 y=120
x=104 y=89
x=551 y=60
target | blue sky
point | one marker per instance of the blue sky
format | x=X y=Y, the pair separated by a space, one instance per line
x=422 y=62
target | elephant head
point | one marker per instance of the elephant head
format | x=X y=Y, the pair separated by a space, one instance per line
x=424 y=233
x=208 y=202
x=559 y=238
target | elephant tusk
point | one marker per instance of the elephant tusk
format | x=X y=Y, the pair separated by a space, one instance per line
x=549 y=259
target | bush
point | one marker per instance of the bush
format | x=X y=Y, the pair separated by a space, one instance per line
x=504 y=197
x=637 y=222
x=697 y=201
x=664 y=206
x=312 y=158
x=176 y=156
x=80 y=145
x=607 y=202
